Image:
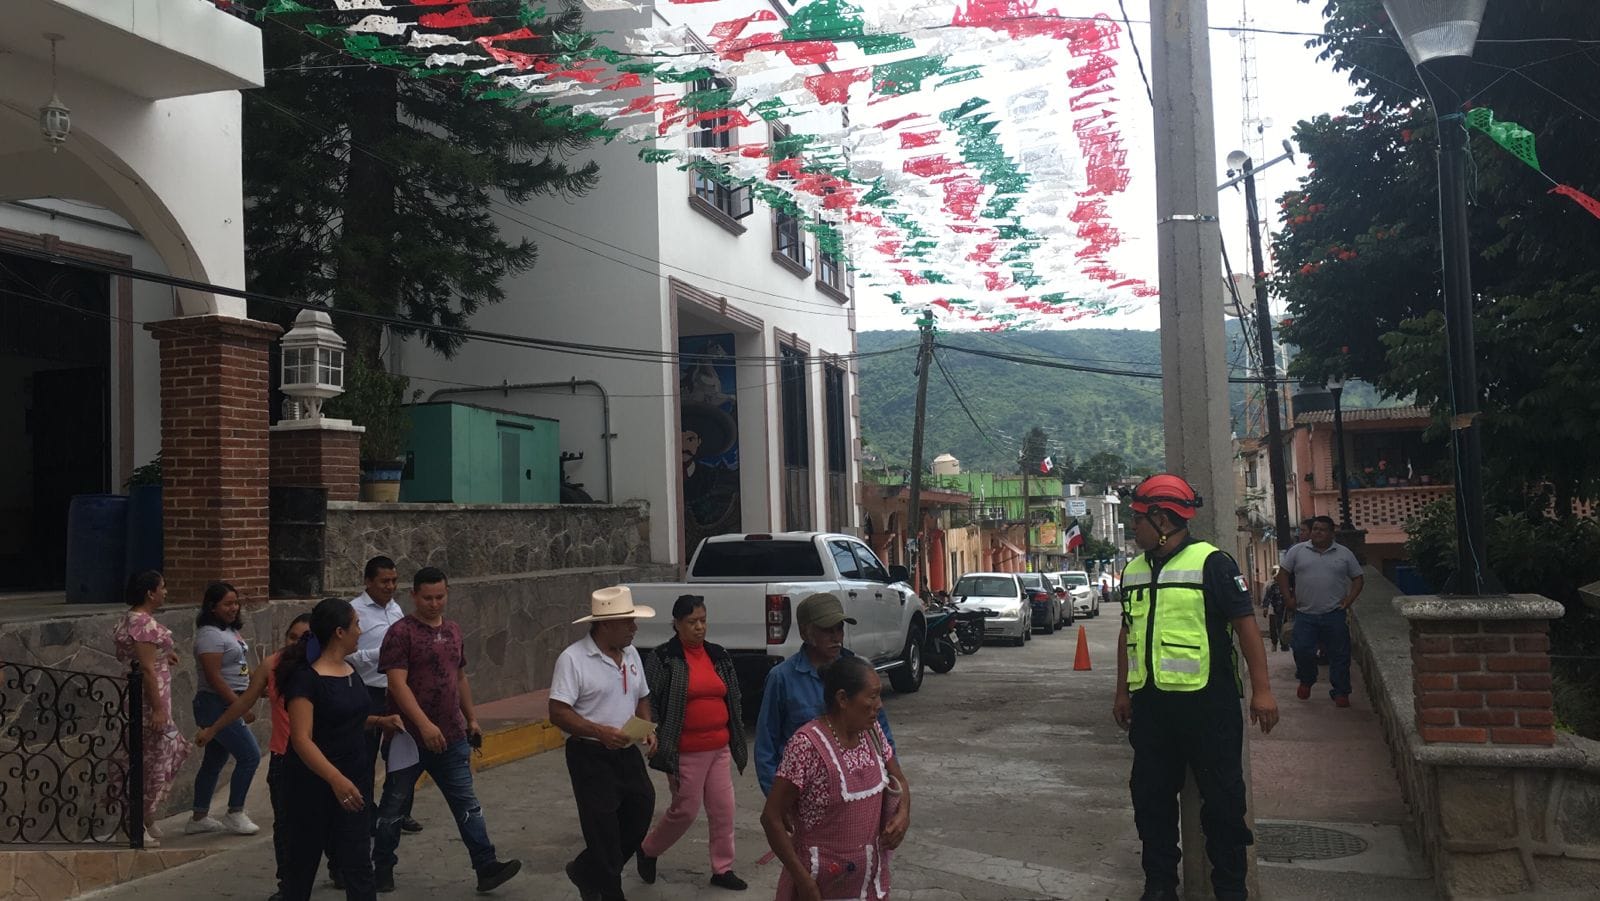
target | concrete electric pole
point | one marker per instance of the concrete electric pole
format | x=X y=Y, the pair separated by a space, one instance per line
x=914 y=512
x=1194 y=361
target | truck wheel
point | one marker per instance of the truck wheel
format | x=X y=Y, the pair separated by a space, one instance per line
x=907 y=677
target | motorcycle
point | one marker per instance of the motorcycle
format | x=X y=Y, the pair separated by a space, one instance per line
x=939 y=644
x=969 y=629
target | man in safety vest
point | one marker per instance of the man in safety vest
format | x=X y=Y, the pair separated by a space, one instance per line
x=1178 y=687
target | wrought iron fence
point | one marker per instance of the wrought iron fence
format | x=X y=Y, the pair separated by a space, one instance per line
x=71 y=757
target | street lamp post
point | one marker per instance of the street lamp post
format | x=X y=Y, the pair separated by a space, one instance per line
x=1439 y=36
x=1336 y=388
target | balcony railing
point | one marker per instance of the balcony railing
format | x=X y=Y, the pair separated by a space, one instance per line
x=68 y=742
x=1383 y=508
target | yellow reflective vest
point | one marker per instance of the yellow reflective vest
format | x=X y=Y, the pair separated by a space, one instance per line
x=1166 y=620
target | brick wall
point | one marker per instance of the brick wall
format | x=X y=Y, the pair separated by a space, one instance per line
x=214 y=452
x=1483 y=681
x=317 y=458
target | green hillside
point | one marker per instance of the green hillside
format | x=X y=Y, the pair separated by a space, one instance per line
x=1084 y=413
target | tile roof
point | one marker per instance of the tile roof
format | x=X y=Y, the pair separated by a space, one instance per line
x=1372 y=414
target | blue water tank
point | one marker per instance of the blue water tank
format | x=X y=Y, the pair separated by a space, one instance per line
x=144 y=529
x=97 y=536
x=1410 y=581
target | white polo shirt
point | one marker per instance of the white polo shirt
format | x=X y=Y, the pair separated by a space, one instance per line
x=375 y=620
x=596 y=687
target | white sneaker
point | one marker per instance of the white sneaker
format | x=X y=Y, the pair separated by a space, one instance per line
x=150 y=839
x=236 y=822
x=201 y=826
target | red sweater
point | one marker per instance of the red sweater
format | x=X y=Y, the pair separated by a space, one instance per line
x=705 y=716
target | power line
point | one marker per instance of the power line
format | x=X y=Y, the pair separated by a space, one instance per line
x=956 y=392
x=1072 y=367
x=602 y=351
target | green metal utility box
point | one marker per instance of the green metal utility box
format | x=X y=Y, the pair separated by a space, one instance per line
x=466 y=454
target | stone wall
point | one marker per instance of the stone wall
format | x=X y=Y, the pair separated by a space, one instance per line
x=470 y=541
x=1495 y=821
x=519 y=576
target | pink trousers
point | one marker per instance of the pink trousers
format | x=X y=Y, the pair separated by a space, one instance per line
x=703 y=777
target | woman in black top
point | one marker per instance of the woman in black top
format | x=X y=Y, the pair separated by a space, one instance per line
x=329 y=714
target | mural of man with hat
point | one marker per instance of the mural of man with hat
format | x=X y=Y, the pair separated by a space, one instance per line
x=598 y=687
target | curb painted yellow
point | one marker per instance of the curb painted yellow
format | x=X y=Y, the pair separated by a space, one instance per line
x=513 y=743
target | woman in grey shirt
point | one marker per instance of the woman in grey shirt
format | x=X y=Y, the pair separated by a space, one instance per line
x=223 y=659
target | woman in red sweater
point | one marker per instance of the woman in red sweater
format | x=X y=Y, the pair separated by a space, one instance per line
x=695 y=692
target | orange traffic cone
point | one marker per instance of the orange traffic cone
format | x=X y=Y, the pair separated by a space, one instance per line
x=1082 y=660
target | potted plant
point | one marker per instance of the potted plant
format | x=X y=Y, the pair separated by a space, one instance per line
x=373 y=399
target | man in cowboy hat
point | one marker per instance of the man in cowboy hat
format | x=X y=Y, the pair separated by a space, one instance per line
x=598 y=687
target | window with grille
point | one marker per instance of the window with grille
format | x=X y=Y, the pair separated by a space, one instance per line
x=710 y=184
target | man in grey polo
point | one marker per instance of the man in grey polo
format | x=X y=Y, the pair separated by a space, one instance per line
x=1321 y=579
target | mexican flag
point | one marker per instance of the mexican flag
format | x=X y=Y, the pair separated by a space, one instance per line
x=1074 y=537
x=1046 y=465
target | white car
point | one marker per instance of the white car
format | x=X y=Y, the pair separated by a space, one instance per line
x=1008 y=611
x=1085 y=596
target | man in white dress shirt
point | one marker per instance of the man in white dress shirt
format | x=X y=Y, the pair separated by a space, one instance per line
x=376 y=611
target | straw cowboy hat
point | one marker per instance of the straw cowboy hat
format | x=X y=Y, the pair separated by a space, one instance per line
x=615 y=602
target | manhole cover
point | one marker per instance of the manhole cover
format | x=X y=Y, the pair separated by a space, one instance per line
x=1294 y=841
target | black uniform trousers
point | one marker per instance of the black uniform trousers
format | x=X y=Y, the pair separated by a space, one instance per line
x=1201 y=731
x=316 y=823
x=615 y=801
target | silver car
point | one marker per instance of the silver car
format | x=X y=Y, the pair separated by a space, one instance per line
x=1085 y=597
x=1009 y=613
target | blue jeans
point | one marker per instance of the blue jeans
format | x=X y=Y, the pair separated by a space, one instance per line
x=1333 y=631
x=453 y=774
x=235 y=741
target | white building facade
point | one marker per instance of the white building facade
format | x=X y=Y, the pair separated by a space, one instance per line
x=659 y=262
x=146 y=177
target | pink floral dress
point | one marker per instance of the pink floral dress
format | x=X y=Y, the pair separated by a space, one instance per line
x=839 y=818
x=164 y=749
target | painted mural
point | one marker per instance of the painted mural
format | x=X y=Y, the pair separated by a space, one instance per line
x=707 y=384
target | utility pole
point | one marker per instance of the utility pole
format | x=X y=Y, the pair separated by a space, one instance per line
x=914 y=514
x=1269 y=364
x=1194 y=363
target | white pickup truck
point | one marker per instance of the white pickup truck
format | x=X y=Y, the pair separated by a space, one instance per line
x=752 y=584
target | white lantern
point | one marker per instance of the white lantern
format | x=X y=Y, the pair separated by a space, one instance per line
x=313 y=362
x=55 y=119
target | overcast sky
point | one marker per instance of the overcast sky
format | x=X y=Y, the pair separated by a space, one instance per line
x=1292 y=86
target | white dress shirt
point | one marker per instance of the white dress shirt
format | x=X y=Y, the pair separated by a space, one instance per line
x=595 y=686
x=375 y=620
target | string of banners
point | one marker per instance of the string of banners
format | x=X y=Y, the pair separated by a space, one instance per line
x=867 y=124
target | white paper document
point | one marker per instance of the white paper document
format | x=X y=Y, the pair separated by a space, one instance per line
x=402 y=752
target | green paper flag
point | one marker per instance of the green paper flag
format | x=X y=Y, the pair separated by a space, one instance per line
x=1510 y=135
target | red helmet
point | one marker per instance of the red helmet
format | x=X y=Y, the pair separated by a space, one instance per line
x=1169 y=492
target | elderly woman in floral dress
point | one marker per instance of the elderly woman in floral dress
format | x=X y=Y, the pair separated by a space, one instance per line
x=138 y=637
x=839 y=803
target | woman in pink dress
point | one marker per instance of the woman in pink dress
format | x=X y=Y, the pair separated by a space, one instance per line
x=842 y=792
x=139 y=637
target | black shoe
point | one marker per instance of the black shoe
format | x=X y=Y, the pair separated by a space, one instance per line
x=407 y=824
x=337 y=878
x=584 y=892
x=647 y=868
x=729 y=881
x=275 y=896
x=1160 y=893
x=383 y=879
x=496 y=874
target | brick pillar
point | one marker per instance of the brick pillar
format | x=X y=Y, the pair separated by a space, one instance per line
x=1481 y=668
x=214 y=452
x=318 y=453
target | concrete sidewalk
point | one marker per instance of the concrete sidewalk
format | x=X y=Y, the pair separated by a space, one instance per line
x=1324 y=788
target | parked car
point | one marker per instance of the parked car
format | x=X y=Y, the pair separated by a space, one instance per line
x=752 y=583
x=1046 y=606
x=1008 y=613
x=1085 y=596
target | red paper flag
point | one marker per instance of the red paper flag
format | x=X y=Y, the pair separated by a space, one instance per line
x=1580 y=198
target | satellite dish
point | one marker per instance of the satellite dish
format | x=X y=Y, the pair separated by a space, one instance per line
x=1237 y=159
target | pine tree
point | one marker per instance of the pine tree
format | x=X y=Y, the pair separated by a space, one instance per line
x=374 y=189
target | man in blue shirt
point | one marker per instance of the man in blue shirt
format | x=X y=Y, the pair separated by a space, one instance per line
x=793 y=696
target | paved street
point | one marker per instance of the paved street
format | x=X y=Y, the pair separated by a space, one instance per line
x=1020 y=785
